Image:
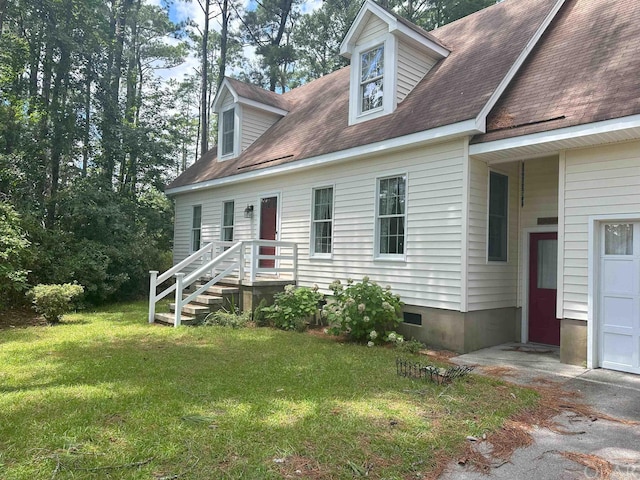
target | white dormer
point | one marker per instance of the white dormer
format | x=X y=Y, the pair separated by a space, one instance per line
x=244 y=113
x=389 y=56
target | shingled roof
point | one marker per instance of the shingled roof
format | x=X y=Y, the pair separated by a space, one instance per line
x=260 y=95
x=483 y=48
x=585 y=69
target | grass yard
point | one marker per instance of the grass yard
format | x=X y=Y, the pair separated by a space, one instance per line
x=105 y=395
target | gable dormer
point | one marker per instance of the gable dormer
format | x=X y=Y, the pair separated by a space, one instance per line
x=389 y=56
x=244 y=113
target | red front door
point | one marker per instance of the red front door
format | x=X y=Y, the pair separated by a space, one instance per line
x=544 y=327
x=268 y=225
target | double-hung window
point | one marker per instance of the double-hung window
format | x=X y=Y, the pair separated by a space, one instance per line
x=322 y=221
x=228 y=131
x=227 y=221
x=196 y=227
x=391 y=216
x=498 y=217
x=372 y=79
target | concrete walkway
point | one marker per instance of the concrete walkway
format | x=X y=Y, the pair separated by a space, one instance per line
x=612 y=393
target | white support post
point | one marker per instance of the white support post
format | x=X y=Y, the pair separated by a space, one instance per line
x=254 y=260
x=178 y=306
x=241 y=263
x=295 y=263
x=153 y=278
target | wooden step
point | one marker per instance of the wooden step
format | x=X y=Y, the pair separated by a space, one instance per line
x=221 y=290
x=205 y=299
x=191 y=309
x=168 y=318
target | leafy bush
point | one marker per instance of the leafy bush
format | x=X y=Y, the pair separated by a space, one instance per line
x=365 y=311
x=224 y=318
x=13 y=246
x=53 y=301
x=292 y=307
x=259 y=314
x=411 y=346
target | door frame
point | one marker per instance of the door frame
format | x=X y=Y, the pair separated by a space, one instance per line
x=593 y=281
x=524 y=274
x=278 y=209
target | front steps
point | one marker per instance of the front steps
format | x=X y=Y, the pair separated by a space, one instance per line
x=214 y=298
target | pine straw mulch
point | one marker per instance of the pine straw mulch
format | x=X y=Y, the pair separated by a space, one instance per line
x=516 y=432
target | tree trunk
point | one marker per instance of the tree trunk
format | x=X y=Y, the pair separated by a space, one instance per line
x=86 y=133
x=223 y=42
x=273 y=71
x=204 y=98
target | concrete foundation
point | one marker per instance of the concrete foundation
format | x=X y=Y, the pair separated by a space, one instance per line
x=573 y=342
x=463 y=332
x=252 y=294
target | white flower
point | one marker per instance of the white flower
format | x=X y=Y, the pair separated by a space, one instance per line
x=387 y=306
x=349 y=281
x=289 y=288
x=387 y=288
x=347 y=320
x=392 y=337
x=326 y=331
x=370 y=344
x=373 y=335
x=361 y=307
x=350 y=301
x=366 y=319
x=315 y=287
x=365 y=279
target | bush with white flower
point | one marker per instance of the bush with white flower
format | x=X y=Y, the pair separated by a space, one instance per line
x=293 y=307
x=365 y=311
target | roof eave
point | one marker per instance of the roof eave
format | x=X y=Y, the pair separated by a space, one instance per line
x=461 y=129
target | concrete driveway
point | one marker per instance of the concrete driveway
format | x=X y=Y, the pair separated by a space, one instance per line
x=612 y=393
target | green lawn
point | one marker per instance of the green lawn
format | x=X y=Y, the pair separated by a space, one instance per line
x=105 y=395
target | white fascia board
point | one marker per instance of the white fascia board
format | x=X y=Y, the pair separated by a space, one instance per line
x=401 y=30
x=567 y=133
x=224 y=86
x=519 y=62
x=261 y=106
x=438 y=134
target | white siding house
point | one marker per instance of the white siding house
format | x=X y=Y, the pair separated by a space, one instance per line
x=512 y=152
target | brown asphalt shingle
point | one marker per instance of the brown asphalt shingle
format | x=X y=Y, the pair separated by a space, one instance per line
x=586 y=68
x=483 y=47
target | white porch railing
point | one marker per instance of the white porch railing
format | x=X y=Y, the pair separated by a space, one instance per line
x=218 y=260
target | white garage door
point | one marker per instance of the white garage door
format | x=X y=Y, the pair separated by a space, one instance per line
x=620 y=297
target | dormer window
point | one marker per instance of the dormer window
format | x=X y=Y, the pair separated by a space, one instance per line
x=228 y=131
x=372 y=79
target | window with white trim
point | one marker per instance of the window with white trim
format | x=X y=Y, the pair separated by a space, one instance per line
x=322 y=221
x=228 y=209
x=498 y=217
x=228 y=131
x=391 y=216
x=372 y=79
x=196 y=227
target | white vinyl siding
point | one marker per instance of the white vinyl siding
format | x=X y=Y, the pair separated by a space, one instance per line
x=431 y=274
x=491 y=284
x=373 y=29
x=598 y=181
x=413 y=65
x=254 y=123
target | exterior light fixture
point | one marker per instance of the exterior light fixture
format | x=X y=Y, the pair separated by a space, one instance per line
x=248 y=212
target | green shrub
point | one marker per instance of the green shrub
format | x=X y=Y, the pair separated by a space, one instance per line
x=13 y=247
x=259 y=314
x=410 y=346
x=365 y=311
x=224 y=318
x=53 y=301
x=293 y=307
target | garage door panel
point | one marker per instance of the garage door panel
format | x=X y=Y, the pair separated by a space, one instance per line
x=619 y=277
x=619 y=312
x=618 y=350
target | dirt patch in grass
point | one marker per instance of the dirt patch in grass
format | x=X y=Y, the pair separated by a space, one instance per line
x=443 y=356
x=20 y=318
x=498 y=371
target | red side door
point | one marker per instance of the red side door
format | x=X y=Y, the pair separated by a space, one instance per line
x=268 y=228
x=544 y=327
